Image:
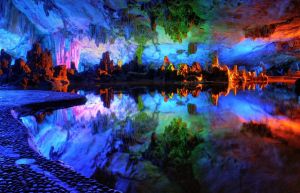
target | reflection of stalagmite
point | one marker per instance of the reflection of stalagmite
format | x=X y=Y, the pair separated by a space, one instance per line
x=183 y=92
x=192 y=48
x=192 y=108
x=215 y=61
x=107 y=95
x=196 y=92
x=227 y=90
x=215 y=99
x=235 y=91
x=216 y=90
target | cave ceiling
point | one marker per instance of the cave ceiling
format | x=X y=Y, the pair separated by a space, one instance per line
x=217 y=24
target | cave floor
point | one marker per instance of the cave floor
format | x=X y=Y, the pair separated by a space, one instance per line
x=21 y=168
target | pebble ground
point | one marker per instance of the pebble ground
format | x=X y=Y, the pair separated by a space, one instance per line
x=24 y=170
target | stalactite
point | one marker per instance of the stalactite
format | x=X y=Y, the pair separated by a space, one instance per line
x=66 y=50
x=13 y=20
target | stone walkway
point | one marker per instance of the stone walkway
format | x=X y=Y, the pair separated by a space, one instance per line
x=21 y=168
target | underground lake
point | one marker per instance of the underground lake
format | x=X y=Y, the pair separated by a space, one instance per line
x=170 y=139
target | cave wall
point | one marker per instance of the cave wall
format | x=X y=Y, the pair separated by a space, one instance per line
x=120 y=49
x=243 y=32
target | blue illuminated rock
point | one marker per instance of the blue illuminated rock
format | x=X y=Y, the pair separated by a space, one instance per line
x=81 y=31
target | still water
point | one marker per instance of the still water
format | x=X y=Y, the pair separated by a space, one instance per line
x=178 y=139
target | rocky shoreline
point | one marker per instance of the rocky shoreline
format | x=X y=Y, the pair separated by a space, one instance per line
x=23 y=169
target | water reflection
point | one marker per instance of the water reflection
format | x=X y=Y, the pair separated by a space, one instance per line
x=168 y=91
x=178 y=139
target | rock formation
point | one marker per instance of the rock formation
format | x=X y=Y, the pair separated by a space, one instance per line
x=60 y=73
x=183 y=70
x=192 y=109
x=60 y=80
x=106 y=65
x=72 y=71
x=195 y=68
x=20 y=67
x=21 y=72
x=38 y=71
x=34 y=57
x=40 y=63
x=5 y=63
x=192 y=48
x=297 y=87
x=46 y=67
